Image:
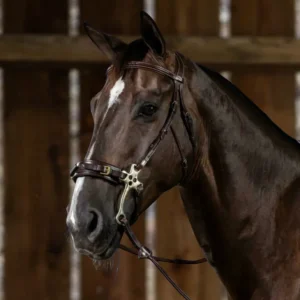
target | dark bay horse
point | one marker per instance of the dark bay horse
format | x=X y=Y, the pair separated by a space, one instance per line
x=239 y=174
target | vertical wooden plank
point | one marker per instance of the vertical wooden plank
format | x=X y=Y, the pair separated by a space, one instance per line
x=273 y=91
x=174 y=236
x=188 y=17
x=36 y=163
x=127 y=278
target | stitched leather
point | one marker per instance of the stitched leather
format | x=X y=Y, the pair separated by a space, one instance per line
x=97 y=169
x=155 y=68
x=144 y=253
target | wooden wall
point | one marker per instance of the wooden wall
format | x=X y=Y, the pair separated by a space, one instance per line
x=272 y=90
x=36 y=151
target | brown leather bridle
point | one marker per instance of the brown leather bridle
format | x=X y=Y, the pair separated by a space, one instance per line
x=130 y=178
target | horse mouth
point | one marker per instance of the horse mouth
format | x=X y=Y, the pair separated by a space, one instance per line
x=111 y=248
x=104 y=253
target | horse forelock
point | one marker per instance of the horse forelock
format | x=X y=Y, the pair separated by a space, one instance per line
x=135 y=51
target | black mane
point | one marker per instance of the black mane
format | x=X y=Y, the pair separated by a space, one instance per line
x=135 y=51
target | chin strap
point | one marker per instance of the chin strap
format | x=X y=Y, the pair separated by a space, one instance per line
x=143 y=252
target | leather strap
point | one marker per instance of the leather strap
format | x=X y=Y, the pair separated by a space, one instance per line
x=156 y=68
x=176 y=261
x=187 y=119
x=144 y=253
x=97 y=169
x=154 y=145
x=184 y=164
x=177 y=100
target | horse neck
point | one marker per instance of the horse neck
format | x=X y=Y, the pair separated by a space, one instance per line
x=244 y=197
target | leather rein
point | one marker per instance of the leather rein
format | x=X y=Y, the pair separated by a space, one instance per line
x=130 y=179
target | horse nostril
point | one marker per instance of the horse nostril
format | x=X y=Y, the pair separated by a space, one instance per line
x=93 y=223
x=94 y=226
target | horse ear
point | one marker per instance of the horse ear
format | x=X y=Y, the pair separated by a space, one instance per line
x=151 y=35
x=108 y=44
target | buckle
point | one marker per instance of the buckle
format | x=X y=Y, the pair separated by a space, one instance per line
x=74 y=169
x=106 y=171
x=144 y=252
x=178 y=78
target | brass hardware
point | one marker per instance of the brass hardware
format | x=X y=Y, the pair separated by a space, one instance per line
x=106 y=171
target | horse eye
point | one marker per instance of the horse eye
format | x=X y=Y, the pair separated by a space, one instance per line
x=148 y=110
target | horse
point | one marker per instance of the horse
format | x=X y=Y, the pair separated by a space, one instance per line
x=162 y=120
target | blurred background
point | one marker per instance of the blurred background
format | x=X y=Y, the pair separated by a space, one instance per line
x=50 y=71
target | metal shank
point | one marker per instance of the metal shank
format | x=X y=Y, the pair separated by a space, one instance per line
x=131 y=183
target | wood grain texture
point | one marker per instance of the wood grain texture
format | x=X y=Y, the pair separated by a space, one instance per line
x=200 y=282
x=36 y=163
x=199 y=18
x=274 y=91
x=126 y=280
x=243 y=51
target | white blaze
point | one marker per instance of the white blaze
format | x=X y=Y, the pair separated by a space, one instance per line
x=72 y=212
x=115 y=92
x=91 y=151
